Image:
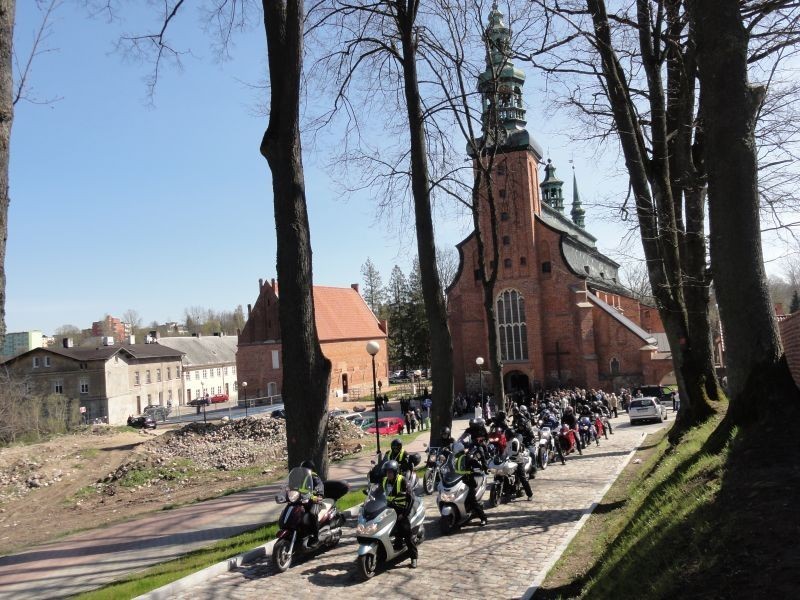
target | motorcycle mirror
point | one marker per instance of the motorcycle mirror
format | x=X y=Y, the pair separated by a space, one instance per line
x=364 y=491
x=280 y=499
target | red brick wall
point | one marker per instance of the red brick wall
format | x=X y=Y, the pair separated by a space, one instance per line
x=790 y=336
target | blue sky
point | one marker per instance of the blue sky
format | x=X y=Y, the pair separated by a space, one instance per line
x=117 y=204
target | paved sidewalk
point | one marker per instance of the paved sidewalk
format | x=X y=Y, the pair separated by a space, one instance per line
x=94 y=558
x=499 y=560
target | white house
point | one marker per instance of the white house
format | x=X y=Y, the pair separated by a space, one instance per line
x=209 y=365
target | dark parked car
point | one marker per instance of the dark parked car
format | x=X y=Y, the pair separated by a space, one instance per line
x=142 y=422
x=158 y=412
x=278 y=413
x=199 y=402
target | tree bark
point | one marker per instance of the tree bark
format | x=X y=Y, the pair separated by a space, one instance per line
x=758 y=377
x=441 y=342
x=7 y=9
x=306 y=372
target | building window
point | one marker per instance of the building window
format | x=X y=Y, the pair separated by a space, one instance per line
x=136 y=378
x=197 y=393
x=58 y=386
x=233 y=370
x=158 y=374
x=36 y=362
x=46 y=361
x=547 y=267
x=276 y=360
x=149 y=399
x=506 y=240
x=614 y=366
x=504 y=216
x=511 y=327
x=219 y=372
x=523 y=261
x=235 y=386
x=83 y=385
x=197 y=375
x=169 y=373
x=507 y=263
x=225 y=370
x=177 y=372
x=205 y=373
x=219 y=389
x=272 y=389
x=147 y=378
x=169 y=396
x=587 y=269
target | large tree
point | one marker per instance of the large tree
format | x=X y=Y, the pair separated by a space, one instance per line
x=373 y=292
x=759 y=381
x=7 y=8
x=306 y=372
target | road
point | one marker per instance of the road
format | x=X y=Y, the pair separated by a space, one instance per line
x=499 y=560
x=214 y=413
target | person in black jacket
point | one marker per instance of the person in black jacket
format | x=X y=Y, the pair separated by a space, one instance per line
x=399 y=497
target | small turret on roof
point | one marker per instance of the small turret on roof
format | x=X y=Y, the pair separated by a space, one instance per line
x=578 y=214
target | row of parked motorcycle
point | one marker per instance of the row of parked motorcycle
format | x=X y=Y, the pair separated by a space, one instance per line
x=544 y=440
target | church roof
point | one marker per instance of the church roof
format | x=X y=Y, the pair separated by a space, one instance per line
x=647 y=338
x=342 y=314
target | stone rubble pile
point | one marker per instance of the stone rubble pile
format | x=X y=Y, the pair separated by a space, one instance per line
x=23 y=476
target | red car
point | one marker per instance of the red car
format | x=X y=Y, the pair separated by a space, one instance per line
x=389 y=426
x=219 y=398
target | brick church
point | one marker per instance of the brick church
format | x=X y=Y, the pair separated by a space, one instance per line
x=563 y=317
x=344 y=325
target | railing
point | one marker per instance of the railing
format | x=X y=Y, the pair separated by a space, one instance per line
x=260 y=401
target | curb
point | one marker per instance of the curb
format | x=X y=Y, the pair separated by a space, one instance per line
x=548 y=565
x=258 y=553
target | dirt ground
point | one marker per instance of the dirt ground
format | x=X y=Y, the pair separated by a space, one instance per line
x=50 y=489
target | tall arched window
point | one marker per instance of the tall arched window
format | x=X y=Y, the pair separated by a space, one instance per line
x=512 y=331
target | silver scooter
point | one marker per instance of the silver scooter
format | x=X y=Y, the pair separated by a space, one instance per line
x=376 y=519
x=452 y=499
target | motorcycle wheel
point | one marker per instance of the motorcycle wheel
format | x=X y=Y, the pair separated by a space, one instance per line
x=420 y=535
x=336 y=535
x=495 y=494
x=544 y=458
x=429 y=482
x=447 y=524
x=281 y=559
x=367 y=565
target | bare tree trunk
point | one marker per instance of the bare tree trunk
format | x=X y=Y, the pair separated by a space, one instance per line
x=306 y=372
x=435 y=309
x=7 y=8
x=758 y=377
x=655 y=211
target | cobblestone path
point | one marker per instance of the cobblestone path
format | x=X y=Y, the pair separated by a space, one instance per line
x=499 y=560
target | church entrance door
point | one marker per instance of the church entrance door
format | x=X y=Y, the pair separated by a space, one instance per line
x=516 y=382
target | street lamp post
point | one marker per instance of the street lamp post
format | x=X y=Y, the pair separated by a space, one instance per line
x=244 y=388
x=372 y=349
x=479 y=362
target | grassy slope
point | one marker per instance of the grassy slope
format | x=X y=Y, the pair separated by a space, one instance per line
x=709 y=518
x=164 y=573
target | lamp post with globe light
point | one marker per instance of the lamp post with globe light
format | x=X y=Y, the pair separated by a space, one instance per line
x=244 y=387
x=479 y=362
x=372 y=349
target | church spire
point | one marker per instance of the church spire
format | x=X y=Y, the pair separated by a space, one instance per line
x=577 y=211
x=501 y=84
x=552 y=192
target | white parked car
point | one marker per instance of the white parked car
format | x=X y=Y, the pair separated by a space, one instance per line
x=352 y=416
x=646 y=409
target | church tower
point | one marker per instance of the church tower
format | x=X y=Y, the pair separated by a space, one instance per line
x=552 y=188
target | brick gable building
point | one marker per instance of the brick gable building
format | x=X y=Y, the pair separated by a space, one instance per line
x=344 y=324
x=563 y=318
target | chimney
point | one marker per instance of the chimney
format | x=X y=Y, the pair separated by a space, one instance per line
x=131 y=339
x=354 y=286
x=108 y=340
x=260 y=285
x=67 y=342
x=250 y=309
x=274 y=285
x=155 y=335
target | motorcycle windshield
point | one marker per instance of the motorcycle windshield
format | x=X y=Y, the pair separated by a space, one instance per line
x=448 y=473
x=375 y=503
x=300 y=479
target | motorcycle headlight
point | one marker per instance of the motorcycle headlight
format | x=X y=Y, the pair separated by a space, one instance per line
x=366 y=528
x=292 y=495
x=447 y=497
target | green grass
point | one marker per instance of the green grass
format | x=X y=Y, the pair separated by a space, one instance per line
x=165 y=573
x=660 y=535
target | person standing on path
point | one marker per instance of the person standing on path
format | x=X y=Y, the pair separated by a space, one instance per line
x=614 y=402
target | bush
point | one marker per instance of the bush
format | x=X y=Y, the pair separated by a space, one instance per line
x=26 y=416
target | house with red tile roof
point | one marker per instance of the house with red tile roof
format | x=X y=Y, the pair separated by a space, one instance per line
x=345 y=324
